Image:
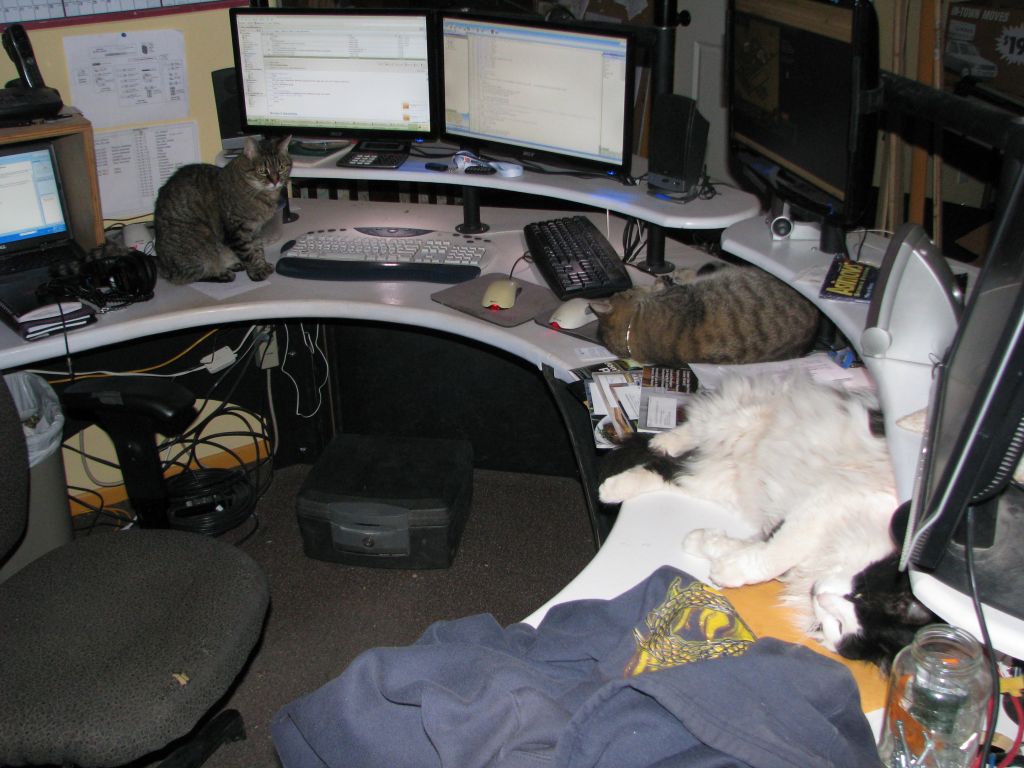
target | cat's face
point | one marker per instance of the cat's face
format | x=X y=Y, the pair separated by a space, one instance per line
x=870 y=616
x=614 y=315
x=269 y=164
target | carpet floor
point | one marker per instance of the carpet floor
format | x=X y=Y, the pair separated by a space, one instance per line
x=526 y=537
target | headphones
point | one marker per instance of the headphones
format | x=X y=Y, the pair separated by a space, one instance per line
x=109 y=277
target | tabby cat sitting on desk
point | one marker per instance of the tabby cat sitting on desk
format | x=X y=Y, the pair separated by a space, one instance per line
x=209 y=220
x=724 y=315
x=800 y=463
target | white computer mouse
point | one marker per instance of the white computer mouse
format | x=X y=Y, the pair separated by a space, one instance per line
x=572 y=314
x=508 y=170
x=500 y=294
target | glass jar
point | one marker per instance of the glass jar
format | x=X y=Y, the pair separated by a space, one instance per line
x=937 y=703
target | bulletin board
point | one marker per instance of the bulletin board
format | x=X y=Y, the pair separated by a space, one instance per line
x=46 y=13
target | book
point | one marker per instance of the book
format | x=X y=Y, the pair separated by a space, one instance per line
x=624 y=397
x=849 y=280
x=664 y=394
x=41 y=328
x=23 y=312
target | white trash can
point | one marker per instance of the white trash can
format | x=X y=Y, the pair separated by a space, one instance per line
x=49 y=516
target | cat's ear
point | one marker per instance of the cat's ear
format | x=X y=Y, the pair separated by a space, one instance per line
x=282 y=145
x=601 y=306
x=914 y=422
x=911 y=611
x=251 y=147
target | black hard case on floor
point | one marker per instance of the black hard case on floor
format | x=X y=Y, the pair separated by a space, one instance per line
x=387 y=502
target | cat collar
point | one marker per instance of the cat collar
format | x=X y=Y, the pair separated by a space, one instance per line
x=629 y=331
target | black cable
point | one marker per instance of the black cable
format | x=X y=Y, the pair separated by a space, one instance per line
x=634 y=239
x=91 y=457
x=860 y=245
x=525 y=257
x=97 y=511
x=209 y=501
x=990 y=730
x=228 y=495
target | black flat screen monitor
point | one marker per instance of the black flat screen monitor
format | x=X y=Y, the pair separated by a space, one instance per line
x=972 y=445
x=335 y=73
x=800 y=73
x=538 y=91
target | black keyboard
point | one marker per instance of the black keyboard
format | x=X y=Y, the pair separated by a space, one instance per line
x=334 y=269
x=38 y=260
x=575 y=259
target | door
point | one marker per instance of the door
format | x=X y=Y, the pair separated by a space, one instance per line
x=700 y=74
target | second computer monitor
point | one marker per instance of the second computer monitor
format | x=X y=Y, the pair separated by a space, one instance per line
x=329 y=72
x=538 y=91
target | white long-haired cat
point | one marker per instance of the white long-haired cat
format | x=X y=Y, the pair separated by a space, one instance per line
x=800 y=462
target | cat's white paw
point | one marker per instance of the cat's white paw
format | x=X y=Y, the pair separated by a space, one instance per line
x=710 y=543
x=628 y=484
x=734 y=571
x=674 y=442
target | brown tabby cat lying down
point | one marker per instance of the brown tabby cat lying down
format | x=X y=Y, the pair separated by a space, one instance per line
x=728 y=316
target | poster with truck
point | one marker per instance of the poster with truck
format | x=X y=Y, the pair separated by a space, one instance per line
x=985 y=42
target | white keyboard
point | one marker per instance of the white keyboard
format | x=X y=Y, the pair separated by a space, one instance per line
x=390 y=244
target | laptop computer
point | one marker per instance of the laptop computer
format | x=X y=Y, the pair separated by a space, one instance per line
x=35 y=241
x=35 y=228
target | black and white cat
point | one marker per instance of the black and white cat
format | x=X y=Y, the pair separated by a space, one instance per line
x=871 y=616
x=802 y=464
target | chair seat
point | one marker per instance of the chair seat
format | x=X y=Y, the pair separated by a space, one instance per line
x=93 y=696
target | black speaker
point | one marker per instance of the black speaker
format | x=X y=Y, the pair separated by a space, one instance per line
x=229 y=108
x=679 y=138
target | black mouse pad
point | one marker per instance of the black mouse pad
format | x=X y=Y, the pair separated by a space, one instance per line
x=533 y=300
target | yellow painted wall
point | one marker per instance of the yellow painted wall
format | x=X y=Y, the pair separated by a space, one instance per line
x=207 y=48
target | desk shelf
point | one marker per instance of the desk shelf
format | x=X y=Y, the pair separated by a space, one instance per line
x=72 y=139
x=728 y=207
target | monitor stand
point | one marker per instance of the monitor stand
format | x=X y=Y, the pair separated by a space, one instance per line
x=998 y=573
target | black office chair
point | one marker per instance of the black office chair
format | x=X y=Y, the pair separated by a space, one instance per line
x=115 y=646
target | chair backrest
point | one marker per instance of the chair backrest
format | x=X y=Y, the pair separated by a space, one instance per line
x=13 y=475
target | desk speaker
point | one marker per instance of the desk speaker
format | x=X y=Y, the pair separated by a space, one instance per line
x=679 y=137
x=229 y=108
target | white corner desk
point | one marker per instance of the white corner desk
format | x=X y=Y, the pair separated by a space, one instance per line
x=649 y=530
x=177 y=308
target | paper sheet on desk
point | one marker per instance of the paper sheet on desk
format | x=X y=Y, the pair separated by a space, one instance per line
x=819 y=366
x=241 y=284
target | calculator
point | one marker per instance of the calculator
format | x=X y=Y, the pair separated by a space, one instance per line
x=376 y=154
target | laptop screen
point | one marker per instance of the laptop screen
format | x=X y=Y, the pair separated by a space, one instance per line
x=32 y=211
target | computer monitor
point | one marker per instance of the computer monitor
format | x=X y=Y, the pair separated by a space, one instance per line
x=972 y=446
x=335 y=73
x=32 y=210
x=538 y=91
x=802 y=129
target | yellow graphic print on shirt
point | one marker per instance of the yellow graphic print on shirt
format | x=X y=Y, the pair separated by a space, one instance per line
x=694 y=622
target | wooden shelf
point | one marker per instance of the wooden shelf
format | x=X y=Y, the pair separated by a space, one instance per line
x=72 y=139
